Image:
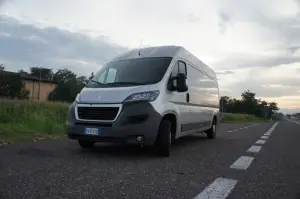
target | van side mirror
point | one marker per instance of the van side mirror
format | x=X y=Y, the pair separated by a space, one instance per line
x=181 y=82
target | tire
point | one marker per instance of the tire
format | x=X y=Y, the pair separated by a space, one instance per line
x=164 y=139
x=211 y=133
x=86 y=144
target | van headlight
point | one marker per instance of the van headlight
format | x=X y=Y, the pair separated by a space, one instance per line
x=143 y=96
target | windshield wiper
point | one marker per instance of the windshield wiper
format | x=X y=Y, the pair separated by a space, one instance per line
x=96 y=82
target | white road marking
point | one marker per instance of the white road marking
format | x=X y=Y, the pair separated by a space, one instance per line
x=260 y=142
x=242 y=163
x=242 y=128
x=264 y=137
x=219 y=189
x=254 y=149
x=267 y=134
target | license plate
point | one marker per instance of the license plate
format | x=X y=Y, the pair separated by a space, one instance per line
x=91 y=131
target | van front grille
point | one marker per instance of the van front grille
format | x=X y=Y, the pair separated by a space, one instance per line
x=97 y=113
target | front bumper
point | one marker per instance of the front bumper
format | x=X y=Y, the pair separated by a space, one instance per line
x=135 y=119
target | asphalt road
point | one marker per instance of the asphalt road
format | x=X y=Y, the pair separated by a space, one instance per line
x=198 y=167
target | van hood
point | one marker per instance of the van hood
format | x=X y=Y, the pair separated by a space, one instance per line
x=109 y=95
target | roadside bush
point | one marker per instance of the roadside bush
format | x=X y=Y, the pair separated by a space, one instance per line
x=233 y=117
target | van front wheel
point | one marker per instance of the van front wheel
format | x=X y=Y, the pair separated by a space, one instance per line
x=211 y=133
x=164 y=137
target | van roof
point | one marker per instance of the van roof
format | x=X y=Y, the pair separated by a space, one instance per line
x=166 y=51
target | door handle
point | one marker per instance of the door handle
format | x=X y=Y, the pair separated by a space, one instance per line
x=187 y=97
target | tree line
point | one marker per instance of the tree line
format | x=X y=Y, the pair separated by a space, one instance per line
x=297 y=115
x=11 y=85
x=249 y=104
x=69 y=84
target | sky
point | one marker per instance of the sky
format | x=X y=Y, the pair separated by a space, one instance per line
x=251 y=45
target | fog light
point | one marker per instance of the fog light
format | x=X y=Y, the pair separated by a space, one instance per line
x=139 y=138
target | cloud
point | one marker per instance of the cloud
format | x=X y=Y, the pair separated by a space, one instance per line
x=2 y=2
x=279 y=84
x=242 y=60
x=250 y=44
x=227 y=72
x=24 y=45
x=275 y=24
x=285 y=25
x=224 y=21
x=293 y=49
x=193 y=18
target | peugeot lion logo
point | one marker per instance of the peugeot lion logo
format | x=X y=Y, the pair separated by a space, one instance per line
x=99 y=97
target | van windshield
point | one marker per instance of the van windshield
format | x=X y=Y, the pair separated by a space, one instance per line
x=131 y=72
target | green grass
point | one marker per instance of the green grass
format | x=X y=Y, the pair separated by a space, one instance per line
x=22 y=121
x=242 y=118
x=30 y=121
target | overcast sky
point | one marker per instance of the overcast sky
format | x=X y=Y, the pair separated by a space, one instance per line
x=251 y=44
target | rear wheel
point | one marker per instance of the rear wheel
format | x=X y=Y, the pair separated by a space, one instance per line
x=164 y=139
x=211 y=133
x=86 y=143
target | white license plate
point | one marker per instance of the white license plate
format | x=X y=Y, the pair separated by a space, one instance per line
x=91 y=131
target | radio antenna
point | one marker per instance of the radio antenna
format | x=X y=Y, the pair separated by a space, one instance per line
x=140 y=47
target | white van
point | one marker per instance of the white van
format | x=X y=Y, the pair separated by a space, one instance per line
x=149 y=96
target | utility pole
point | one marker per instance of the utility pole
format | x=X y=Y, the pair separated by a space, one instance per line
x=222 y=105
x=40 y=83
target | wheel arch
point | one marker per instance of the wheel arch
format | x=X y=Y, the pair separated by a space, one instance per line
x=172 y=117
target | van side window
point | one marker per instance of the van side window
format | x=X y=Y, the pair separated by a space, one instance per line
x=182 y=67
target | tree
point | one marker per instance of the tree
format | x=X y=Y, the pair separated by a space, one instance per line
x=248 y=104
x=68 y=85
x=2 y=67
x=23 y=72
x=223 y=103
x=262 y=108
x=64 y=76
x=12 y=86
x=43 y=73
x=82 y=79
x=278 y=116
x=273 y=107
x=23 y=94
x=248 y=96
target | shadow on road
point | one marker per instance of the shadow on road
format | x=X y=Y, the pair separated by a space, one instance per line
x=117 y=150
